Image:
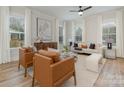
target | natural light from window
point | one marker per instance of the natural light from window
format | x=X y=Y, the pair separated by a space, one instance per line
x=109 y=34
x=16 y=31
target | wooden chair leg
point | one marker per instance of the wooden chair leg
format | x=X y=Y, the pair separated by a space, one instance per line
x=33 y=81
x=25 y=71
x=75 y=82
x=19 y=66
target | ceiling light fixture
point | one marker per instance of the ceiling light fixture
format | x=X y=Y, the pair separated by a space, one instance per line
x=80 y=13
x=80 y=10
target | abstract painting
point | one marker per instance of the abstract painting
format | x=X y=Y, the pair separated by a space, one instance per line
x=44 y=29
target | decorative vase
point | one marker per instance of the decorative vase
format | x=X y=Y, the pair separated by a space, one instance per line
x=109 y=45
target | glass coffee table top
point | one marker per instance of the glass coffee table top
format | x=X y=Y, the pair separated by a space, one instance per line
x=68 y=54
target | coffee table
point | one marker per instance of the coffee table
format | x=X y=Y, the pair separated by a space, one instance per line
x=69 y=54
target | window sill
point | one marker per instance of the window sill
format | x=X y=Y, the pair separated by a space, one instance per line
x=15 y=48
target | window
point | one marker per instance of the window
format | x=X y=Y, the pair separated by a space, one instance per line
x=16 y=31
x=78 y=34
x=109 y=34
x=60 y=37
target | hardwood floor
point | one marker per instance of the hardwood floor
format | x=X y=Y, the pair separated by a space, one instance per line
x=11 y=76
x=112 y=75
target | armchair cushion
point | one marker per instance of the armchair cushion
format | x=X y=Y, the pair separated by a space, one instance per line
x=52 y=54
x=53 y=50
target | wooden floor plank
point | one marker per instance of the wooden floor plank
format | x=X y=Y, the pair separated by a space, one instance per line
x=112 y=75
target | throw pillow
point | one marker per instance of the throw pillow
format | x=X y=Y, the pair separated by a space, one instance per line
x=92 y=46
x=75 y=45
x=83 y=45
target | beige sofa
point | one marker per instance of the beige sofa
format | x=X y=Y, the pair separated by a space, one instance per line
x=98 y=49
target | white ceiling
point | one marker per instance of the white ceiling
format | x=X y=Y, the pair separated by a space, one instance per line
x=62 y=12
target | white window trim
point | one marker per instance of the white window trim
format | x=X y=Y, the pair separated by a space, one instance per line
x=108 y=24
x=15 y=31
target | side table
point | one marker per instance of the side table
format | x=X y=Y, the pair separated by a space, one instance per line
x=110 y=53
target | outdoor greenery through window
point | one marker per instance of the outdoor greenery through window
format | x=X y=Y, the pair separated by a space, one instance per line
x=109 y=34
x=16 y=31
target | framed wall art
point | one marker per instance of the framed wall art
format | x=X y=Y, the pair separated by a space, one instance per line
x=44 y=29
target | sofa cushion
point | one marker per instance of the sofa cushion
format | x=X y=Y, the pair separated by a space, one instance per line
x=90 y=51
x=78 y=48
x=52 y=54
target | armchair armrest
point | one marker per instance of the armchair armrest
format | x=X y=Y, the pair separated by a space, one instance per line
x=61 y=68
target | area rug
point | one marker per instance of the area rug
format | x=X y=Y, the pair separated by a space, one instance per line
x=84 y=77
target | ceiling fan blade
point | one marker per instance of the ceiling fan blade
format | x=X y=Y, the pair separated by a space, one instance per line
x=74 y=11
x=87 y=8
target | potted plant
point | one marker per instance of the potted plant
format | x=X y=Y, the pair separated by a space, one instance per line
x=65 y=48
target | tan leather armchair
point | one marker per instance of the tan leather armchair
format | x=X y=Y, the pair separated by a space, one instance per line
x=48 y=74
x=25 y=58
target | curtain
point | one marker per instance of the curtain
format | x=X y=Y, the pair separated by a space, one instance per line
x=4 y=35
x=64 y=33
x=57 y=33
x=99 y=31
x=120 y=33
x=27 y=27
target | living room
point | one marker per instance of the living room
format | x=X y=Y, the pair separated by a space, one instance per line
x=89 y=46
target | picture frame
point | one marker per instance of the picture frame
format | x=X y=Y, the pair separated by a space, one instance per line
x=44 y=29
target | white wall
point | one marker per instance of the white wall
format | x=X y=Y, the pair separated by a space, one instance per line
x=80 y=23
x=91 y=28
x=94 y=23
x=19 y=10
x=53 y=20
x=120 y=33
x=16 y=11
x=123 y=28
x=70 y=27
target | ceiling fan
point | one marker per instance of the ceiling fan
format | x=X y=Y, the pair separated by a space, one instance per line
x=81 y=10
